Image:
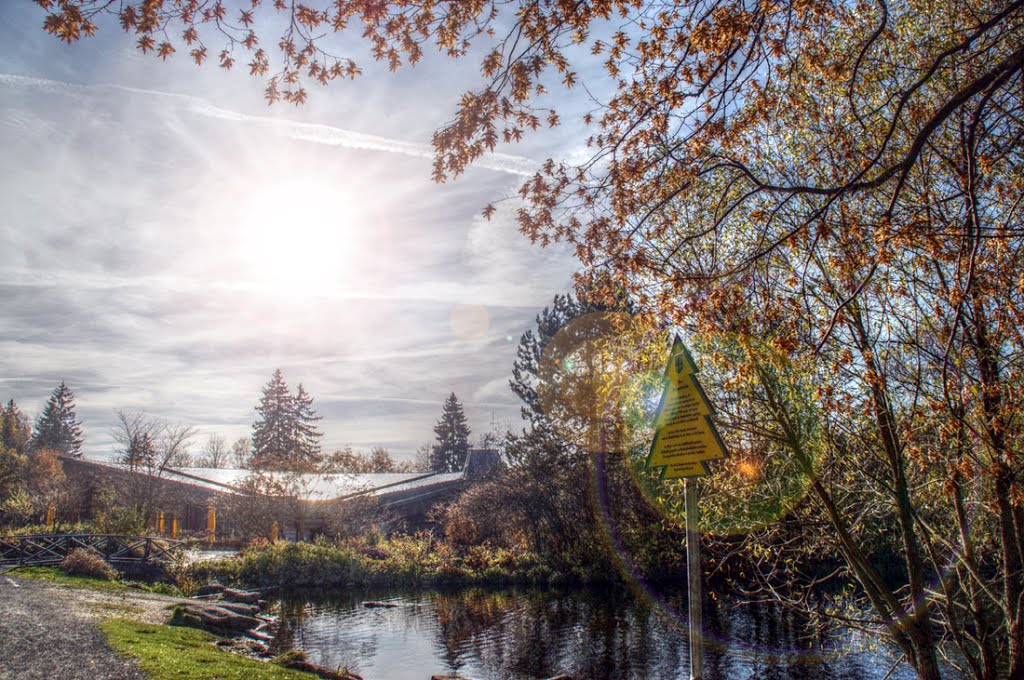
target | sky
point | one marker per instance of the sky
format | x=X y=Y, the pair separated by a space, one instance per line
x=167 y=241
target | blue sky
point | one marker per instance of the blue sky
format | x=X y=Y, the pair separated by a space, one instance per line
x=168 y=241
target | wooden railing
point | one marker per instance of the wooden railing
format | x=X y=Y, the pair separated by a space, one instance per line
x=43 y=549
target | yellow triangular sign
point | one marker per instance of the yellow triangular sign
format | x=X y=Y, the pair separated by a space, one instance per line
x=685 y=438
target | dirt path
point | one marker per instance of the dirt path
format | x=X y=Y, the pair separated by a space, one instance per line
x=48 y=631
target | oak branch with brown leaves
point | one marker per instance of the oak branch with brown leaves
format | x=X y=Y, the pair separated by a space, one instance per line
x=833 y=190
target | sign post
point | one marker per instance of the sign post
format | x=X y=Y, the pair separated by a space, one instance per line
x=695 y=597
x=685 y=440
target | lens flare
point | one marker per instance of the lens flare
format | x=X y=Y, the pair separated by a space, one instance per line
x=469 y=321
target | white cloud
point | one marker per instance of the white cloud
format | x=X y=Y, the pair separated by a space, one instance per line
x=121 y=273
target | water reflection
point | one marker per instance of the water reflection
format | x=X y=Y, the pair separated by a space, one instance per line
x=520 y=635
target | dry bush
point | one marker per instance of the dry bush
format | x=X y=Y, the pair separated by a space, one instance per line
x=355 y=517
x=83 y=562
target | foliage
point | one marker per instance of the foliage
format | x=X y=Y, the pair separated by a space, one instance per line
x=841 y=182
x=16 y=507
x=419 y=559
x=63 y=528
x=452 y=430
x=58 y=428
x=84 y=562
x=114 y=514
x=262 y=499
x=148 y=446
x=165 y=652
x=285 y=436
x=15 y=432
x=29 y=485
x=355 y=517
x=379 y=459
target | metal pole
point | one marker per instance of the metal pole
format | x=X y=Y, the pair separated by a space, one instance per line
x=693 y=578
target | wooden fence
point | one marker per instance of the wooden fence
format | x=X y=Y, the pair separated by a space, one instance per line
x=44 y=549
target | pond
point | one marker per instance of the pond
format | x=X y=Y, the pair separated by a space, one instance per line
x=530 y=634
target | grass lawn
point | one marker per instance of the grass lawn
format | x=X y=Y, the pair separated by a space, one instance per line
x=166 y=652
x=55 y=575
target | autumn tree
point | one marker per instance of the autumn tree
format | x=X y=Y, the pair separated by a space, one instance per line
x=58 y=428
x=147 y=447
x=838 y=180
x=13 y=502
x=15 y=432
x=452 y=431
x=379 y=459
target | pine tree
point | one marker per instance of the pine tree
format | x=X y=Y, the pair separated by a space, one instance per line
x=452 y=430
x=15 y=432
x=273 y=432
x=307 y=455
x=58 y=428
x=285 y=436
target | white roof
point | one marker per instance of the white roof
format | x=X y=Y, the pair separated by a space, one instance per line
x=316 y=486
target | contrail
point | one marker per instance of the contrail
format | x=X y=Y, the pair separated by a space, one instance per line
x=306 y=132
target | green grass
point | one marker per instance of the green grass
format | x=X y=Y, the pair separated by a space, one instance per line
x=58 y=577
x=171 y=652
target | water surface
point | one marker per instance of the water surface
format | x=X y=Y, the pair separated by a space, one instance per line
x=530 y=634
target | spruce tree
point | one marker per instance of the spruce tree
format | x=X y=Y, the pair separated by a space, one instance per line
x=307 y=454
x=273 y=432
x=58 y=428
x=452 y=430
x=285 y=436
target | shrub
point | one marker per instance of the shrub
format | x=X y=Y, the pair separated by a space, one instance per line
x=82 y=562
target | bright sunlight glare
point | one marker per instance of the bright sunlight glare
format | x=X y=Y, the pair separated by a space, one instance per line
x=298 y=237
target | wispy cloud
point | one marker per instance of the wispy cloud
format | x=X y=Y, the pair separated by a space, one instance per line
x=119 y=270
x=297 y=130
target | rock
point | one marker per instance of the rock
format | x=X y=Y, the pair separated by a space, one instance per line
x=447 y=677
x=211 y=588
x=561 y=677
x=296 y=660
x=216 y=618
x=243 y=596
x=379 y=605
x=245 y=646
x=259 y=635
x=239 y=608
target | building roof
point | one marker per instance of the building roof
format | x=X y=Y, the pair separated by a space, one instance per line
x=312 y=486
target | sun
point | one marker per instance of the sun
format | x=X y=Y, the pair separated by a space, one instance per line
x=298 y=237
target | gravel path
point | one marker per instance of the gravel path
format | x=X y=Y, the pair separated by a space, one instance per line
x=48 y=631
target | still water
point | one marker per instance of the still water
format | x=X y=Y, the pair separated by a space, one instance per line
x=530 y=634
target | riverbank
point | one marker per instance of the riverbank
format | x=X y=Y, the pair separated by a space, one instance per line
x=49 y=631
x=409 y=560
x=85 y=629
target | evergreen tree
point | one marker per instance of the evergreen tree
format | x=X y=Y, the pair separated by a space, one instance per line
x=307 y=455
x=285 y=436
x=452 y=430
x=15 y=432
x=58 y=428
x=273 y=432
